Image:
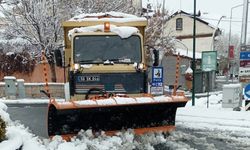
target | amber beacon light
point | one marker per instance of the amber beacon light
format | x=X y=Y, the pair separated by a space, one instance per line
x=106 y=27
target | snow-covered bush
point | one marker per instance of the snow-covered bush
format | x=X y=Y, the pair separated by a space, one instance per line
x=4 y=118
x=16 y=62
x=2 y=129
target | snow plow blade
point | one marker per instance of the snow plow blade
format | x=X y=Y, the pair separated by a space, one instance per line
x=144 y=114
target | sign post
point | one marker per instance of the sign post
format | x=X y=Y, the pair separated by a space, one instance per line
x=209 y=64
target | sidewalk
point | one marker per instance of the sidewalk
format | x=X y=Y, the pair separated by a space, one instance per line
x=46 y=100
x=28 y=101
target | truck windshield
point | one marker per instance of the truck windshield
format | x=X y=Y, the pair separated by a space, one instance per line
x=102 y=48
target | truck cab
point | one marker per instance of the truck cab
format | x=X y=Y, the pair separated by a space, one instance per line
x=104 y=61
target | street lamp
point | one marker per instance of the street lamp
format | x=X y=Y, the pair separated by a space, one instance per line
x=178 y=41
x=229 y=38
x=213 y=36
x=230 y=30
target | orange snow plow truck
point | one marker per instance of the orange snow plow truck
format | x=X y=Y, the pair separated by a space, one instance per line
x=107 y=79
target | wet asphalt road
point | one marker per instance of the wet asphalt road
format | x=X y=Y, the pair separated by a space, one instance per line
x=34 y=117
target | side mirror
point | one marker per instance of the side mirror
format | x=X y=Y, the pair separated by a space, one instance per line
x=58 y=57
x=156 y=57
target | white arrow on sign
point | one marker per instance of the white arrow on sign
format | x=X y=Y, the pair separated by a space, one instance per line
x=244 y=71
x=247 y=106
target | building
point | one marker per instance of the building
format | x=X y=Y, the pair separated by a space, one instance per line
x=169 y=67
x=180 y=26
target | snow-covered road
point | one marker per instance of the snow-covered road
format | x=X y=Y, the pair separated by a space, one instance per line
x=198 y=127
x=214 y=119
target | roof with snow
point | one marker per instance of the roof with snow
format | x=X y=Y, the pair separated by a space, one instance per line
x=191 y=16
x=187 y=53
x=203 y=19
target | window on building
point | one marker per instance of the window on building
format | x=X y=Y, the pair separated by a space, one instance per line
x=179 y=24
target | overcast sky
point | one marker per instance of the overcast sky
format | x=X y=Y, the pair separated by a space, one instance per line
x=211 y=9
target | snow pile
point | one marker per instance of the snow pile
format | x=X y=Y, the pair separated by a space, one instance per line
x=108 y=16
x=4 y=115
x=122 y=141
x=123 y=32
x=189 y=70
x=215 y=101
x=19 y=136
x=16 y=134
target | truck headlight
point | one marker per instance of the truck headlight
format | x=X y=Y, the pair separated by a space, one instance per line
x=141 y=66
x=76 y=66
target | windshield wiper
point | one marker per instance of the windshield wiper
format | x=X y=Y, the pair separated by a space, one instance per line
x=106 y=61
x=119 y=60
x=90 y=61
x=109 y=62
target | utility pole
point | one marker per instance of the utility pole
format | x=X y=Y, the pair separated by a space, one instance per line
x=244 y=24
x=193 y=62
x=162 y=28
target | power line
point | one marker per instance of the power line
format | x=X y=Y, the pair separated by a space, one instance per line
x=223 y=20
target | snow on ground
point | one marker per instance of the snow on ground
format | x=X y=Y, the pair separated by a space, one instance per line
x=27 y=101
x=214 y=118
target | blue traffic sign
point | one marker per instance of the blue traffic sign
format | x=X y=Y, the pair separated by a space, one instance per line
x=157 y=75
x=245 y=55
x=247 y=91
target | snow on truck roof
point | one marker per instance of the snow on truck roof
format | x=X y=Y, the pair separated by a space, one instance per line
x=123 y=31
x=122 y=24
x=108 y=16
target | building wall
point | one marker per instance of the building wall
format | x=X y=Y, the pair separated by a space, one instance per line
x=202 y=44
x=37 y=76
x=204 y=32
x=169 y=65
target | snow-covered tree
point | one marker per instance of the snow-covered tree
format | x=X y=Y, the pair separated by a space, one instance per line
x=222 y=48
x=39 y=21
x=156 y=37
x=93 y=6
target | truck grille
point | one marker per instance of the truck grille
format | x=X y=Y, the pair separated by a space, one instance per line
x=110 y=82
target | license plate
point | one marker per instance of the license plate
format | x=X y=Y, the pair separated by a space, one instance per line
x=88 y=78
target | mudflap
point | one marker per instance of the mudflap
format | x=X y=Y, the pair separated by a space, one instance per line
x=111 y=118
